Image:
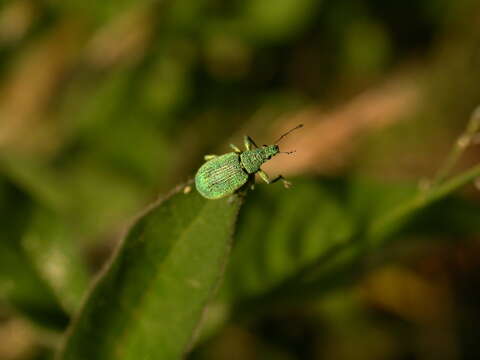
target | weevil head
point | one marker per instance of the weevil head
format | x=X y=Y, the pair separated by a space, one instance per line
x=270 y=151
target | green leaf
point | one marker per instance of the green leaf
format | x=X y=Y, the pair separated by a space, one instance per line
x=451 y=217
x=41 y=185
x=150 y=300
x=280 y=232
x=385 y=228
x=53 y=248
x=296 y=244
x=277 y=20
x=387 y=225
x=21 y=284
x=48 y=241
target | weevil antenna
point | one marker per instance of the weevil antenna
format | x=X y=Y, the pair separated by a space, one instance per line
x=287 y=133
x=288 y=152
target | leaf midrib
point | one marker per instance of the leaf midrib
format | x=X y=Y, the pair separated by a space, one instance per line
x=149 y=284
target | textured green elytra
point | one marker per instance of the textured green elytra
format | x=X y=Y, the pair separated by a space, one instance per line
x=220 y=176
x=223 y=175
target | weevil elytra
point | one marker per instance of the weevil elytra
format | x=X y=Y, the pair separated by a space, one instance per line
x=222 y=175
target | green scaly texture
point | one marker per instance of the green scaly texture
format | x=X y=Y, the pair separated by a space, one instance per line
x=220 y=176
x=252 y=159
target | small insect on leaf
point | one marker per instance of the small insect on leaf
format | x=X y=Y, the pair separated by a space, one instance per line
x=226 y=174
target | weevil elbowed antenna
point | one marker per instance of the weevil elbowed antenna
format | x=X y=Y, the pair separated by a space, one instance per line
x=287 y=133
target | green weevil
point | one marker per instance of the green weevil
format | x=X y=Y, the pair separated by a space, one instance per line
x=223 y=175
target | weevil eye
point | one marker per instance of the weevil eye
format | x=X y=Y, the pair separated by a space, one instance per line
x=265 y=145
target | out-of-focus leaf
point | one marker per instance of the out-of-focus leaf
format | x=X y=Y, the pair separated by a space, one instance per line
x=280 y=232
x=105 y=130
x=370 y=199
x=53 y=248
x=399 y=217
x=47 y=239
x=367 y=49
x=21 y=284
x=101 y=199
x=392 y=223
x=35 y=180
x=275 y=20
x=102 y=11
x=318 y=235
x=113 y=160
x=149 y=302
x=89 y=104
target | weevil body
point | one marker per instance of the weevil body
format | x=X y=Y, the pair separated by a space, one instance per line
x=223 y=175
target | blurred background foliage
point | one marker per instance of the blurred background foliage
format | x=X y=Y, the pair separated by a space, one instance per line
x=106 y=104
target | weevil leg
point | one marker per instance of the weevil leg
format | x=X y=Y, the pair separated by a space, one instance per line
x=209 y=157
x=248 y=141
x=287 y=184
x=265 y=178
x=235 y=148
x=263 y=175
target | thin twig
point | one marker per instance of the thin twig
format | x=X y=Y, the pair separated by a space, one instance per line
x=462 y=143
x=387 y=224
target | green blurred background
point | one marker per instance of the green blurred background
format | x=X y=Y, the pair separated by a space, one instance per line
x=105 y=105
